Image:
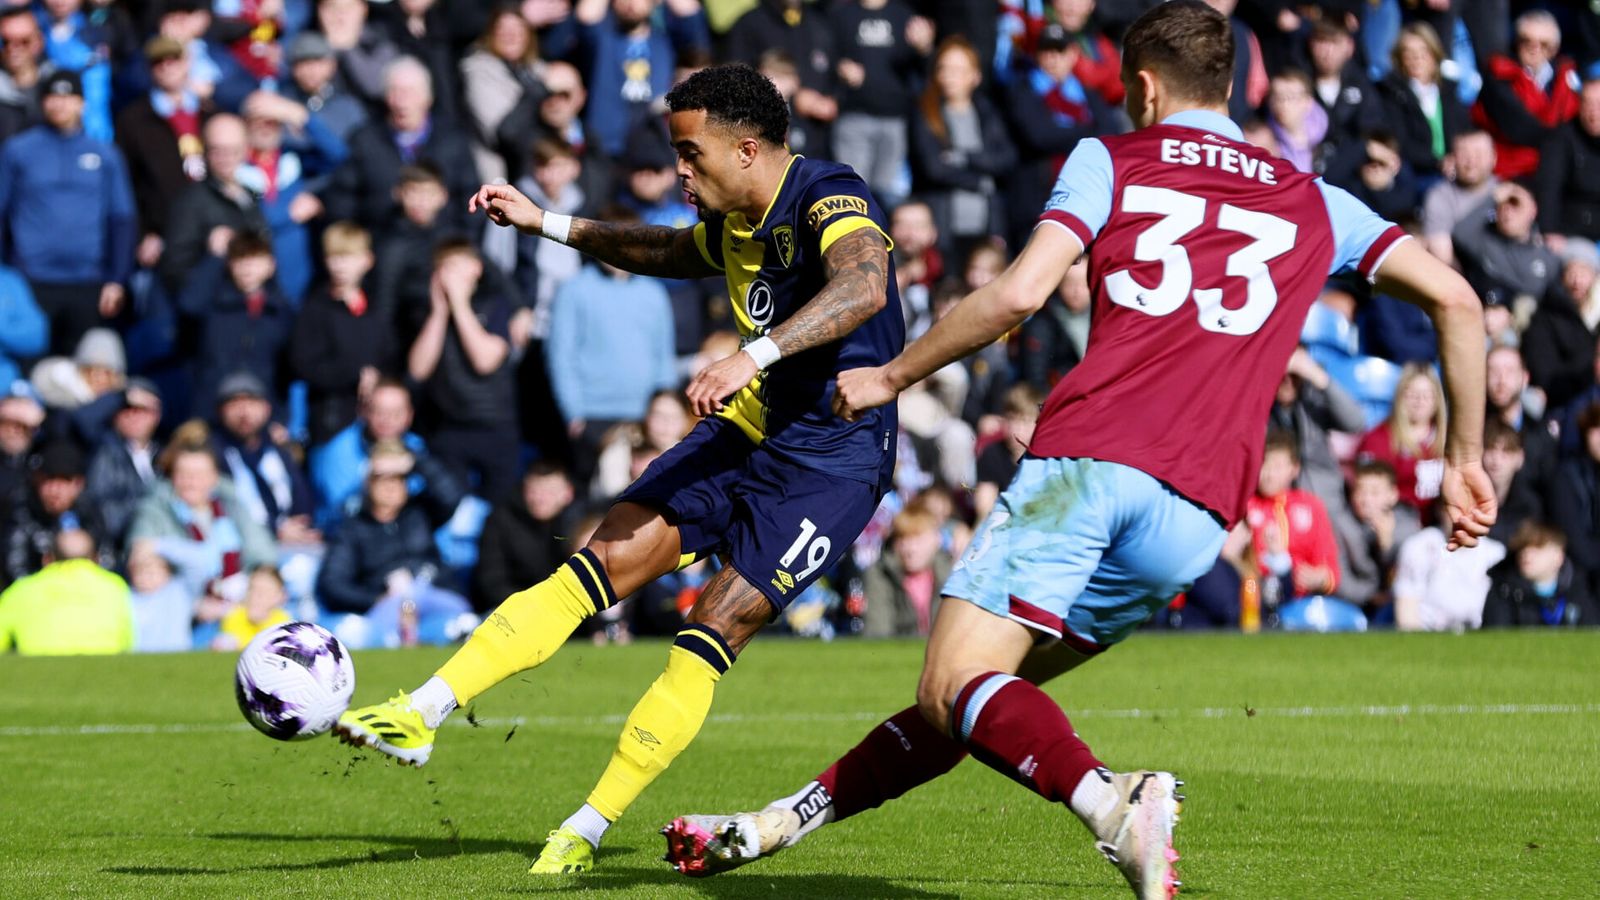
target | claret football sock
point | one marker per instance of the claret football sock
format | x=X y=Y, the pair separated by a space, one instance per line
x=665 y=720
x=529 y=627
x=900 y=753
x=1017 y=730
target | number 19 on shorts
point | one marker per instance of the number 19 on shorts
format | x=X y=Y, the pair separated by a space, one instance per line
x=812 y=547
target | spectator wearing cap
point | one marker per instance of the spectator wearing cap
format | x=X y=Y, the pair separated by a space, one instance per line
x=207 y=215
x=56 y=180
x=1500 y=251
x=122 y=469
x=159 y=135
x=1419 y=103
x=1469 y=183
x=882 y=48
x=214 y=72
x=363 y=190
x=73 y=606
x=1568 y=178
x=363 y=51
x=22 y=68
x=1527 y=96
x=501 y=73
x=83 y=387
x=20 y=417
x=77 y=43
x=312 y=68
x=24 y=330
x=1050 y=112
x=241 y=319
x=1559 y=342
x=628 y=60
x=292 y=157
x=55 y=503
x=267 y=477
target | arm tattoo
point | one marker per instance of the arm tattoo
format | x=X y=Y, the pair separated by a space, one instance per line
x=857 y=268
x=655 y=250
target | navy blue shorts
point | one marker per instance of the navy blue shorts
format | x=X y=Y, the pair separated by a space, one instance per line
x=781 y=524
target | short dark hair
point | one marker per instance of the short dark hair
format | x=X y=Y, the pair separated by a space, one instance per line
x=1534 y=533
x=735 y=96
x=1187 y=43
x=246 y=244
x=1496 y=433
x=543 y=468
x=454 y=245
x=1278 y=439
x=424 y=172
x=1377 y=468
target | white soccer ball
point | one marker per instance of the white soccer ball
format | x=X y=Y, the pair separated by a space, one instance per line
x=293 y=681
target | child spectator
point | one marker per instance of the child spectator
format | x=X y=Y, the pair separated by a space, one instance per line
x=1297 y=120
x=1538 y=585
x=666 y=421
x=1410 y=439
x=1518 y=499
x=1369 y=541
x=241 y=318
x=902 y=587
x=405 y=254
x=1291 y=529
x=162 y=607
x=522 y=539
x=262 y=608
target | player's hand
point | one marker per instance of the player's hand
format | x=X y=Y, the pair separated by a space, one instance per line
x=505 y=205
x=1468 y=497
x=720 y=380
x=860 y=390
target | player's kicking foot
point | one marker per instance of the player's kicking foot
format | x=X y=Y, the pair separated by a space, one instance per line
x=706 y=845
x=393 y=727
x=565 y=853
x=1136 y=834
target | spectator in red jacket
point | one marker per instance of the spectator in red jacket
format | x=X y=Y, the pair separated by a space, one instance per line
x=1410 y=439
x=1099 y=64
x=1289 y=527
x=1526 y=98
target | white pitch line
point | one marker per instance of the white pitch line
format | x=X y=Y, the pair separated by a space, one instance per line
x=1206 y=712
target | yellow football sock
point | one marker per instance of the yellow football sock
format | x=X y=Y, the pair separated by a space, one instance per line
x=529 y=627
x=666 y=719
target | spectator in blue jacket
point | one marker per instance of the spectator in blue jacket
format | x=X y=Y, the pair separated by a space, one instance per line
x=75 y=44
x=56 y=180
x=24 y=331
x=626 y=60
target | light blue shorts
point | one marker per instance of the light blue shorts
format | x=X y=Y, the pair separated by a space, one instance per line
x=1085 y=550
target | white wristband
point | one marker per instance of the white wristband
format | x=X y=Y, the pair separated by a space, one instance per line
x=557 y=227
x=764 y=351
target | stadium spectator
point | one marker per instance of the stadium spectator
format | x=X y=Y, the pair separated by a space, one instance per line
x=261 y=608
x=1500 y=252
x=193 y=519
x=1050 y=111
x=919 y=263
x=501 y=73
x=20 y=418
x=159 y=136
x=241 y=318
x=1514 y=487
x=383 y=565
x=1310 y=404
x=342 y=341
x=1053 y=341
x=997 y=463
x=267 y=477
x=1568 y=177
x=206 y=216
x=959 y=149
x=96 y=368
x=70 y=607
x=1249 y=69
x=404 y=257
x=435 y=34
x=523 y=539
x=666 y=421
x=24 y=330
x=1526 y=97
x=802 y=32
x=1099 y=64
x=1559 y=343
x=1419 y=103
x=122 y=469
x=1290 y=528
x=805 y=135
x=1369 y=538
x=292 y=157
x=1512 y=402
x=627 y=58
x=339 y=467
x=1575 y=504
x=56 y=503
x=1537 y=585
x=363 y=51
x=556 y=184
x=988 y=372
x=363 y=189
x=881 y=46
x=1409 y=440
x=1469 y=182
x=603 y=375
x=1440 y=590
x=462 y=360
x=57 y=180
x=902 y=587
x=557 y=117
x=312 y=68
x=214 y=72
x=1370 y=168
x=1297 y=120
x=162 y=607
x=77 y=43
x=1340 y=86
x=22 y=68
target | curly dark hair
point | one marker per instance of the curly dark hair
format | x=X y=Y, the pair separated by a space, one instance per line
x=735 y=96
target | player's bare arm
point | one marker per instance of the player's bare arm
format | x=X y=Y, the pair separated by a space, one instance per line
x=1414 y=275
x=654 y=250
x=977 y=321
x=857 y=270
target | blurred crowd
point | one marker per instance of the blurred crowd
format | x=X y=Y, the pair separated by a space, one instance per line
x=258 y=363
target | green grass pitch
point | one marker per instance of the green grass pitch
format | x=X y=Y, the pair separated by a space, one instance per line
x=1317 y=766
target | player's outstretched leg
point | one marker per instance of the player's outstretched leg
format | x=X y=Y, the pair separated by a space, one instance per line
x=633 y=545
x=666 y=719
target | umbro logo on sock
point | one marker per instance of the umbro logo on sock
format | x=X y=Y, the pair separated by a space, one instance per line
x=645 y=737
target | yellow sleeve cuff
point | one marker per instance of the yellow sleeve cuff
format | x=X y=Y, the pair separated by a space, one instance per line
x=700 y=242
x=846 y=226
